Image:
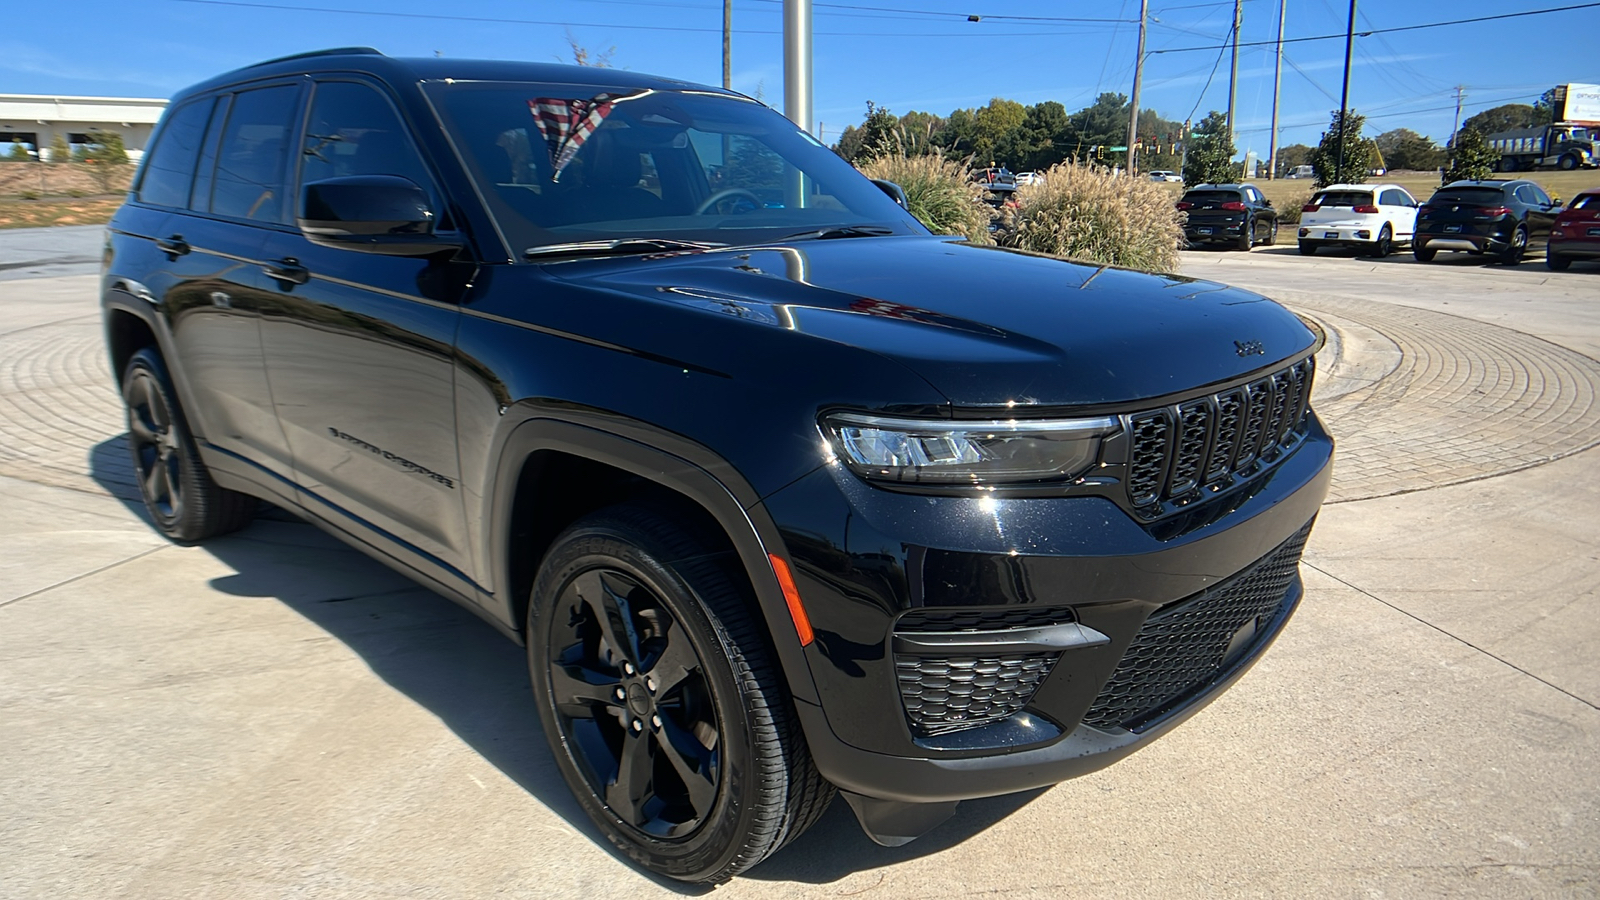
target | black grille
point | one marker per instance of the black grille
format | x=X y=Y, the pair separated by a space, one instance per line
x=998 y=618
x=1176 y=450
x=1181 y=647
x=943 y=694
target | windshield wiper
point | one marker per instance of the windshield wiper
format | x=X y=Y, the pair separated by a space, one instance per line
x=619 y=247
x=842 y=231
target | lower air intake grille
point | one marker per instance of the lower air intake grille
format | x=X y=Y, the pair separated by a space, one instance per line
x=943 y=694
x=1182 y=647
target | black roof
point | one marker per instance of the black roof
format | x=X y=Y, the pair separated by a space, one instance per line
x=399 y=70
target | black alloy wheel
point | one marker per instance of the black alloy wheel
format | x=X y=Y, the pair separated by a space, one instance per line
x=186 y=504
x=1384 y=245
x=1423 y=253
x=662 y=701
x=1247 y=235
x=1272 y=234
x=1517 y=246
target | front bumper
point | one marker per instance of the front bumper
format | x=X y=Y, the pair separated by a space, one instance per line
x=888 y=556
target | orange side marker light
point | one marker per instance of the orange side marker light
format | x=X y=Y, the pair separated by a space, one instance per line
x=791 y=596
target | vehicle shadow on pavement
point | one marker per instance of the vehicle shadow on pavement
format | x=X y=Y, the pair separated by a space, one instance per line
x=475 y=681
x=438 y=654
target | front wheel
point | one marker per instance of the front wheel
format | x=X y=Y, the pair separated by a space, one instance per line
x=177 y=488
x=662 y=699
x=1568 y=162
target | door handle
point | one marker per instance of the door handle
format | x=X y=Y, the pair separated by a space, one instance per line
x=174 y=246
x=287 y=271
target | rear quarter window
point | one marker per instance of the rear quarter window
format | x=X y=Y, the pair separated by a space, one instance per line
x=170 y=170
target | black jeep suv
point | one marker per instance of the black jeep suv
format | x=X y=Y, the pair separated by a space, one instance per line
x=785 y=495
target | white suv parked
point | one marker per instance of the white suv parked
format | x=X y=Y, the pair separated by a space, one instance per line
x=1372 y=218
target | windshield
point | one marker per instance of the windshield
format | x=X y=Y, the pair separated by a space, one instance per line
x=562 y=163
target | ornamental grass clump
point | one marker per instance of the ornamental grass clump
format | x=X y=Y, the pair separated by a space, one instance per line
x=1089 y=214
x=940 y=192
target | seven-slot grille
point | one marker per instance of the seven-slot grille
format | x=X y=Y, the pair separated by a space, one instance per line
x=1180 y=648
x=1177 y=449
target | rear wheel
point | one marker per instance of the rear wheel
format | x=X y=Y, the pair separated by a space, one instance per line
x=662 y=700
x=1518 y=246
x=1556 y=262
x=1384 y=245
x=1307 y=248
x=186 y=504
x=1424 y=254
x=1247 y=236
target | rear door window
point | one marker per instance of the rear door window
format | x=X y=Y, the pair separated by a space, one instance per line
x=252 y=161
x=170 y=169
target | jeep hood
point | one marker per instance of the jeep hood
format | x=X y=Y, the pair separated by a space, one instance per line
x=985 y=326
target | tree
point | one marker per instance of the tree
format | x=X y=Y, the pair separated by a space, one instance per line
x=1355 y=162
x=1510 y=117
x=918 y=131
x=19 y=153
x=582 y=57
x=1403 y=148
x=1544 y=112
x=877 y=133
x=1471 y=158
x=59 y=151
x=1210 y=159
x=105 y=157
x=1291 y=156
x=1044 y=138
x=849 y=144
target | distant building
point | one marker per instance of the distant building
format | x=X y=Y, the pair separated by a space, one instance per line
x=33 y=120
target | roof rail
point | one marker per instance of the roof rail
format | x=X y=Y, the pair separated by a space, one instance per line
x=335 y=51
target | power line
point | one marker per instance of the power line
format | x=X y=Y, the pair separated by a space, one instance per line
x=1202 y=98
x=677 y=28
x=1341 y=35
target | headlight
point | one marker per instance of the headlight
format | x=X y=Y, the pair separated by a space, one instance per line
x=939 y=451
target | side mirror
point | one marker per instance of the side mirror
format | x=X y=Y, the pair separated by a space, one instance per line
x=895 y=192
x=383 y=214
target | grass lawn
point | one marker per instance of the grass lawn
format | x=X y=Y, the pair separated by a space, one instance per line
x=66 y=211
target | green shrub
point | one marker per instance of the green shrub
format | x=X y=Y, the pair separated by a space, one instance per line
x=28 y=195
x=939 y=192
x=1089 y=214
x=75 y=192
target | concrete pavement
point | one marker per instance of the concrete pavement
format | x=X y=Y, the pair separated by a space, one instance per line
x=273 y=715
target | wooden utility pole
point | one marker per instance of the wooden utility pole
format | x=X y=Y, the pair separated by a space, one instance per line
x=1233 y=76
x=1461 y=92
x=727 y=45
x=1277 y=85
x=1344 y=94
x=1138 y=74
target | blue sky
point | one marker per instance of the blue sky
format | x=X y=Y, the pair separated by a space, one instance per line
x=904 y=54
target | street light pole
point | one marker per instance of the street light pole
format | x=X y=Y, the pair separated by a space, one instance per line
x=1138 y=74
x=797 y=62
x=727 y=45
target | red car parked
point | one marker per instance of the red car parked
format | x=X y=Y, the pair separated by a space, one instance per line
x=1576 y=232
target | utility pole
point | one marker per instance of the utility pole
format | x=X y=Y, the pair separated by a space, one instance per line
x=1344 y=94
x=1138 y=73
x=1461 y=93
x=727 y=45
x=1277 y=85
x=1233 y=76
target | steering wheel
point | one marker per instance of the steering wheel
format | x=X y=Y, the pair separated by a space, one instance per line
x=711 y=201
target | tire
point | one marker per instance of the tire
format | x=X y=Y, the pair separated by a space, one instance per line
x=1424 y=254
x=1506 y=164
x=1514 y=251
x=1568 y=162
x=724 y=775
x=183 y=500
x=1384 y=245
x=1247 y=237
x=1272 y=234
x=1556 y=262
x=1308 y=249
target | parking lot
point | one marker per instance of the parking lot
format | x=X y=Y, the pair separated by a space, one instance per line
x=273 y=714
